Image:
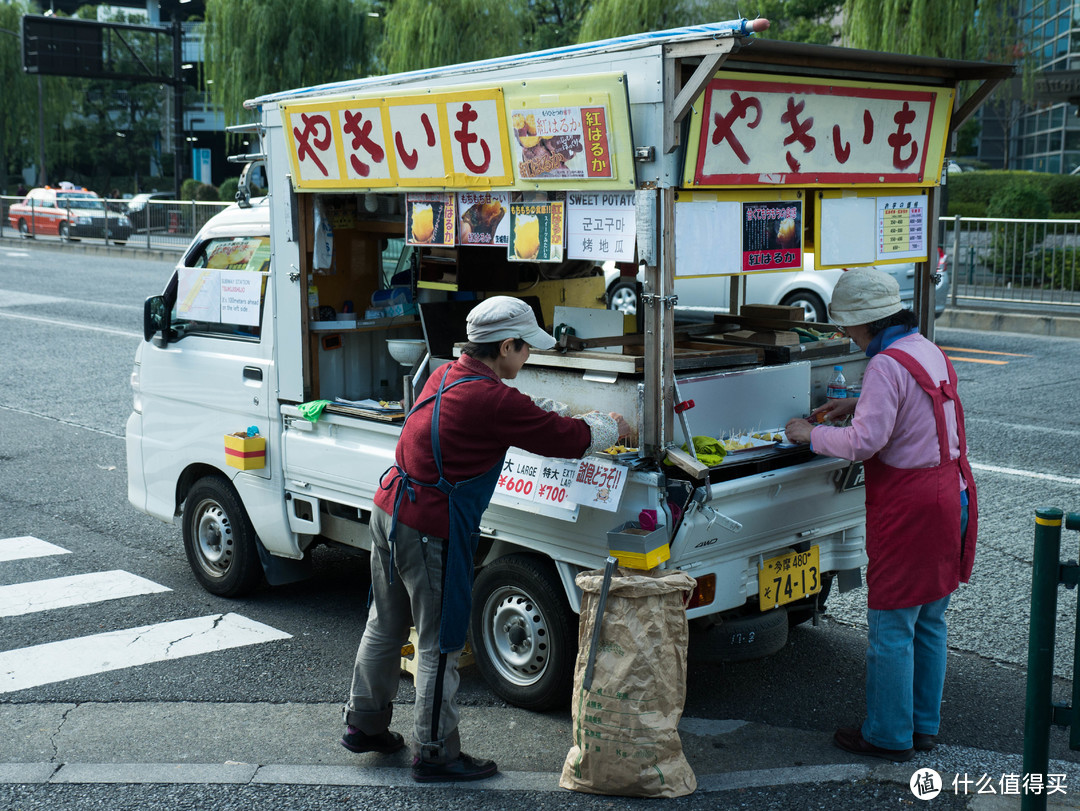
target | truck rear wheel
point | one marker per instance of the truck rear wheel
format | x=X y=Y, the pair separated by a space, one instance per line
x=219 y=539
x=523 y=632
x=740 y=639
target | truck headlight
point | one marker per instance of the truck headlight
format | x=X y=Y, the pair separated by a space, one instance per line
x=124 y=221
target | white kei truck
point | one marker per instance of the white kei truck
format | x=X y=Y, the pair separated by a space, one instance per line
x=277 y=365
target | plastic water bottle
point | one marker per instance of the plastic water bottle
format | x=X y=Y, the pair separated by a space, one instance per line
x=838 y=385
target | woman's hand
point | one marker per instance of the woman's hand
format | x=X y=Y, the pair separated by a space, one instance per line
x=834 y=410
x=798 y=430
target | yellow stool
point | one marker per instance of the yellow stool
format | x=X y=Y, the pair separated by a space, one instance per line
x=408 y=655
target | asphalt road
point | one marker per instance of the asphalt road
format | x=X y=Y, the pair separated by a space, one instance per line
x=69 y=325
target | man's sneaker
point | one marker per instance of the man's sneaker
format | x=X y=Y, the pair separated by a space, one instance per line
x=385 y=742
x=464 y=768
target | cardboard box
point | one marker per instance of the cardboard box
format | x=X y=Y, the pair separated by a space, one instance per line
x=775 y=311
x=245 y=452
x=637 y=548
x=778 y=337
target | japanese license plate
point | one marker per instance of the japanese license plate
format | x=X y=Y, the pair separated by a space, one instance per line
x=790 y=577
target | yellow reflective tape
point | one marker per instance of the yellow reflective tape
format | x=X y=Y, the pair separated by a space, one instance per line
x=1048 y=522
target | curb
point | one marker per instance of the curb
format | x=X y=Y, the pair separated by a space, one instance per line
x=1057 y=326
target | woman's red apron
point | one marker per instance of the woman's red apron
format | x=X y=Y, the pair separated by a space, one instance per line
x=913 y=538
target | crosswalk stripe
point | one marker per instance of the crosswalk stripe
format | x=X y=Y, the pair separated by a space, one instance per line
x=80 y=589
x=115 y=650
x=27 y=546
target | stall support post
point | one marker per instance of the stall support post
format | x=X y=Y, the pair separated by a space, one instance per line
x=652 y=418
x=924 y=271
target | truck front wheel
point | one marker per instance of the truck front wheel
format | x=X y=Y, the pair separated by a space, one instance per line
x=523 y=632
x=219 y=539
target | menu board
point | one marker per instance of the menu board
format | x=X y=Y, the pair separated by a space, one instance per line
x=901 y=227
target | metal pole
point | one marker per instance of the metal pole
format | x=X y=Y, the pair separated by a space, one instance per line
x=42 y=176
x=956 y=257
x=178 y=107
x=1072 y=521
x=601 y=602
x=1038 y=712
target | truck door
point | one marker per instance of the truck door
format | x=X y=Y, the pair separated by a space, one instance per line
x=213 y=376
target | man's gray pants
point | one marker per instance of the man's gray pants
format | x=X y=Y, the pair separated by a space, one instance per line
x=414 y=598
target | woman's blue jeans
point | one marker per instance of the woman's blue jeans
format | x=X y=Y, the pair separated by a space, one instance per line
x=905 y=673
x=905 y=669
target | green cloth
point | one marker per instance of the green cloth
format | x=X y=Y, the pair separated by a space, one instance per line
x=313 y=410
x=708 y=450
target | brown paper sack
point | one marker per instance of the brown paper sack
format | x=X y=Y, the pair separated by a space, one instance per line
x=625 y=728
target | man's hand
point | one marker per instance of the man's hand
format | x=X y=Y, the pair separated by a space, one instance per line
x=625 y=431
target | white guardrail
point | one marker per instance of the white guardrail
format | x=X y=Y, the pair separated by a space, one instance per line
x=159 y=224
x=1019 y=262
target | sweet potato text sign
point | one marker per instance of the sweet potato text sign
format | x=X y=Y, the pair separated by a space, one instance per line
x=754 y=131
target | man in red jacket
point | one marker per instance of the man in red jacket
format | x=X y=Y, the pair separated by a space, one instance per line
x=426 y=522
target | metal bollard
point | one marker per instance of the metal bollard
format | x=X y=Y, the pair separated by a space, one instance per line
x=1040 y=713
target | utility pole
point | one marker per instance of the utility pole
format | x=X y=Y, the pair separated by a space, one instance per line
x=178 y=106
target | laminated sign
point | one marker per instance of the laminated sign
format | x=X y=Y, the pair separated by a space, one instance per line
x=772 y=235
x=536 y=231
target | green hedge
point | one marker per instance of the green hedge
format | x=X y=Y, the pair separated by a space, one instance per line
x=966 y=209
x=984 y=188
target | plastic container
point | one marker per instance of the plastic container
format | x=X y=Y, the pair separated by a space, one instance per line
x=837 y=389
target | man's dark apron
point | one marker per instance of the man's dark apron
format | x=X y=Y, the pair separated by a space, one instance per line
x=468 y=499
x=913 y=538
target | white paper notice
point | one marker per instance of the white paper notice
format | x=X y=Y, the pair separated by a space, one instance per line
x=198 y=295
x=600 y=226
x=241 y=296
x=598 y=484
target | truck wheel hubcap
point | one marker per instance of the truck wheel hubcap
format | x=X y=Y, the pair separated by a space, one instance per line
x=214 y=532
x=516 y=636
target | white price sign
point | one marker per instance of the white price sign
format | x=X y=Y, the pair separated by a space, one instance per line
x=535 y=478
x=600 y=226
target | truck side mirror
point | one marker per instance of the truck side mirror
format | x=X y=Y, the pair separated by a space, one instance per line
x=156 y=318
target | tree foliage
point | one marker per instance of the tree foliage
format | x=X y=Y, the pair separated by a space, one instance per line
x=254 y=47
x=420 y=34
x=954 y=29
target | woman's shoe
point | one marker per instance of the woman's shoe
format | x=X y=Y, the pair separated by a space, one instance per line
x=851 y=740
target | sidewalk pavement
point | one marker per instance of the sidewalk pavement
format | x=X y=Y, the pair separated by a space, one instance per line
x=297 y=744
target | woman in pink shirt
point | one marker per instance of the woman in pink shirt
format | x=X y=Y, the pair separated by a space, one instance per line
x=921 y=514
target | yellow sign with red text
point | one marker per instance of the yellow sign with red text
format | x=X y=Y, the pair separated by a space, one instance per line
x=525 y=136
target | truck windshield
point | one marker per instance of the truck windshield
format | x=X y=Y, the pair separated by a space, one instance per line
x=222 y=288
